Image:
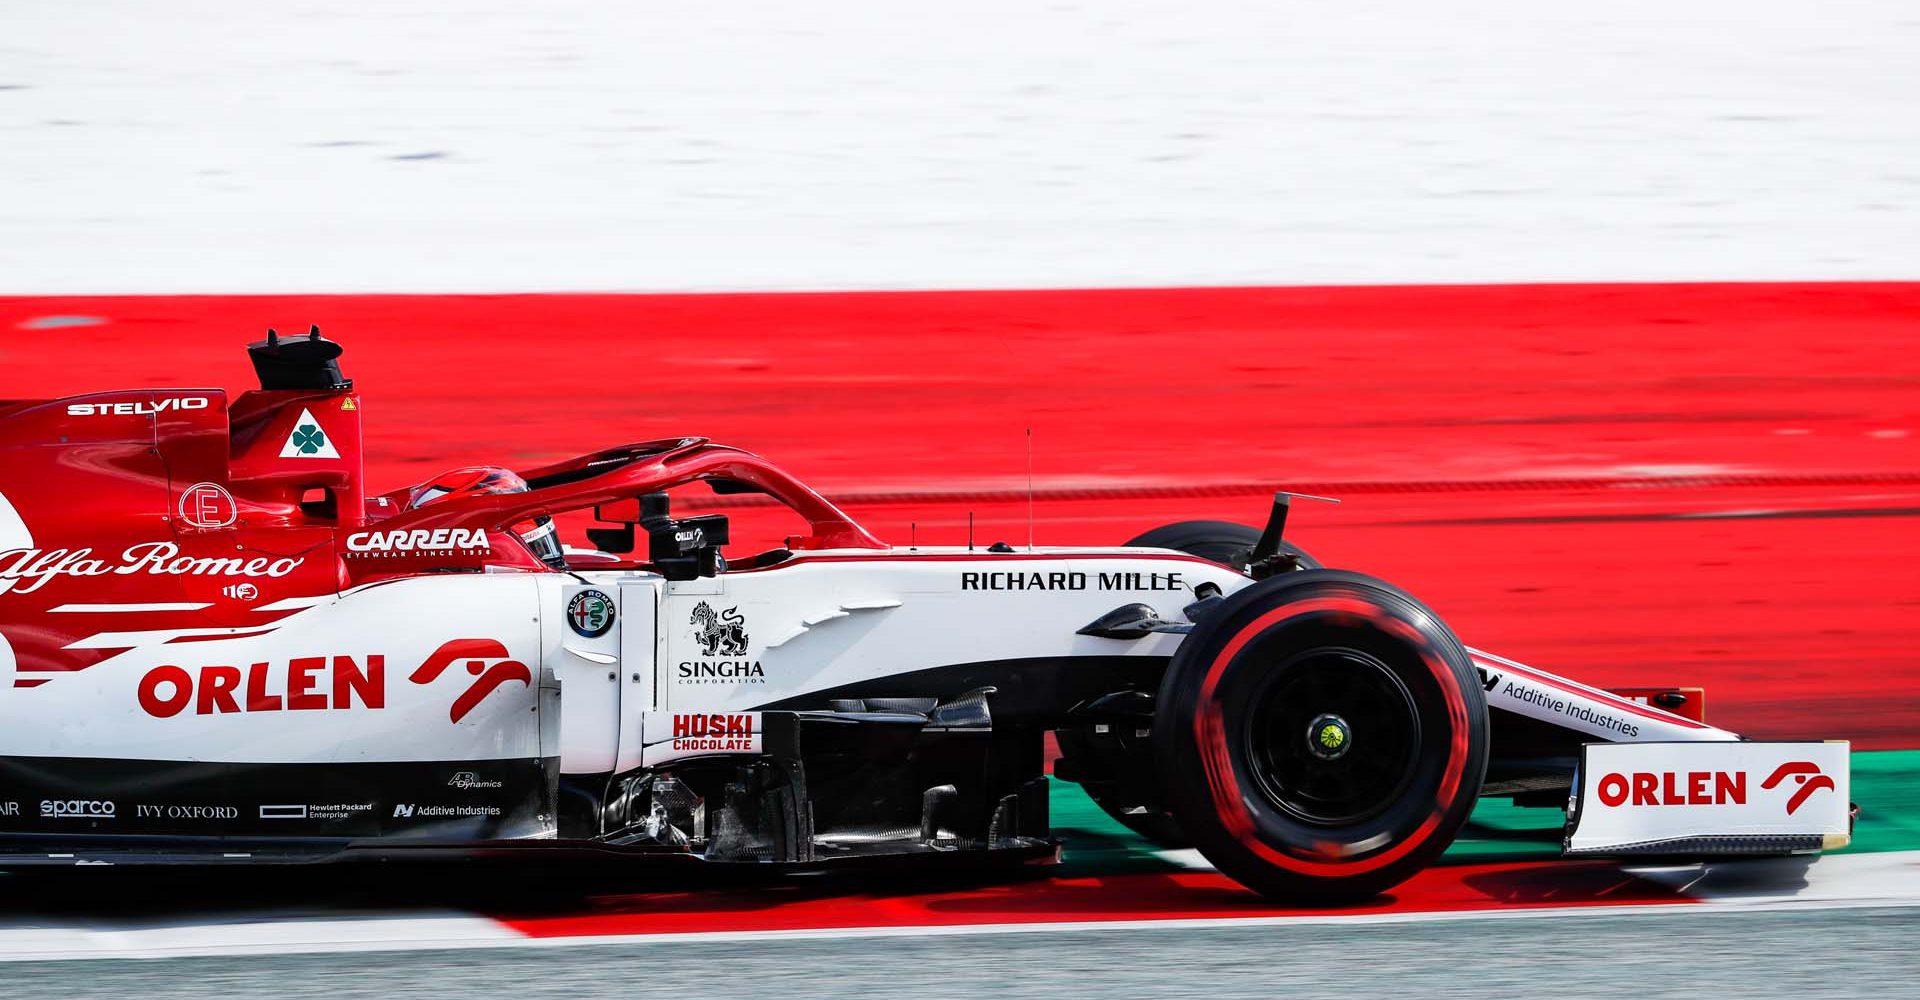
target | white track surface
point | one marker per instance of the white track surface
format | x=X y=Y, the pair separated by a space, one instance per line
x=1840 y=882
x=496 y=145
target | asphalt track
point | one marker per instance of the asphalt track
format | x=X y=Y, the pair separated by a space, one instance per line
x=1806 y=955
x=1711 y=485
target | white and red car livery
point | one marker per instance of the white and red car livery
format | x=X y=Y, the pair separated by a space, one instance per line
x=215 y=644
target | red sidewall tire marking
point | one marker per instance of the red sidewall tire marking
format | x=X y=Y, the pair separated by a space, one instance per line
x=1210 y=728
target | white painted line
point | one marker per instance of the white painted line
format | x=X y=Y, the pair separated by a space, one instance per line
x=105 y=609
x=253 y=934
x=1853 y=881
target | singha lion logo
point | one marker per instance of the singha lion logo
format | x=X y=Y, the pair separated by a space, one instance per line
x=721 y=633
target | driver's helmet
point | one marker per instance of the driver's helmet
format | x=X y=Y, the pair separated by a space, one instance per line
x=481 y=480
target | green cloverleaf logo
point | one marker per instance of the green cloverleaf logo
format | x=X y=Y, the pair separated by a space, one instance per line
x=309 y=439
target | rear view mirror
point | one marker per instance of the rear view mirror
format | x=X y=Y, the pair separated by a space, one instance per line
x=625 y=513
x=619 y=511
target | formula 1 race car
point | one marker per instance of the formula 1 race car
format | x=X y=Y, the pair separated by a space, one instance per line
x=217 y=647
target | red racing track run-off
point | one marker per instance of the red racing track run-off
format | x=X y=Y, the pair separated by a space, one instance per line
x=1173 y=896
x=1710 y=485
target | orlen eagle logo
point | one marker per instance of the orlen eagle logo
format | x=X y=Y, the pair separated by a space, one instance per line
x=487 y=678
x=1806 y=774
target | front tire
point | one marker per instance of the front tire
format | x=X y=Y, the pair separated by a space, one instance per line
x=1321 y=737
x=1225 y=542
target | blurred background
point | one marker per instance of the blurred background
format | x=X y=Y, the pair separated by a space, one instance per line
x=1600 y=319
x=467 y=145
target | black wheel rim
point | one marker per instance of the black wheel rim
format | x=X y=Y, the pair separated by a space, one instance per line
x=1342 y=775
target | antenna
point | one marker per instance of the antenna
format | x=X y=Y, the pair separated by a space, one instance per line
x=969 y=531
x=913 y=536
x=1029 y=489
